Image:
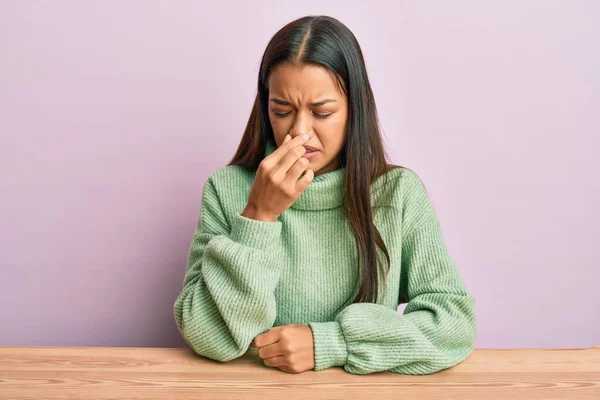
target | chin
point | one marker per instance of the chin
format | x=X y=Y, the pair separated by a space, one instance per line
x=316 y=171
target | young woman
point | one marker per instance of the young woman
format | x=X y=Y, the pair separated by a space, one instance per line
x=309 y=240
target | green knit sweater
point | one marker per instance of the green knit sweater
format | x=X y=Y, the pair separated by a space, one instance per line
x=245 y=276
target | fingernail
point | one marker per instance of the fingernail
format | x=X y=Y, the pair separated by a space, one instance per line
x=305 y=137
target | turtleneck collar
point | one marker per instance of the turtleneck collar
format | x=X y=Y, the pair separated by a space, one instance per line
x=324 y=192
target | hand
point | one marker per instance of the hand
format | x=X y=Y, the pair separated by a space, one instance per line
x=276 y=185
x=289 y=348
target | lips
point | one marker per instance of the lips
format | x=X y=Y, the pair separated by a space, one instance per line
x=309 y=148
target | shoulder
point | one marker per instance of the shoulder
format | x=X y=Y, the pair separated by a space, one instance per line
x=416 y=204
x=399 y=185
x=412 y=184
x=403 y=175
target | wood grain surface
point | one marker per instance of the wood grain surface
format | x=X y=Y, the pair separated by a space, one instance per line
x=163 y=373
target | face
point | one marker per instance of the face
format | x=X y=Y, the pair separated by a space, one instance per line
x=307 y=100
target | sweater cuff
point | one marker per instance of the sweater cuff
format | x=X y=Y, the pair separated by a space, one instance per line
x=254 y=233
x=330 y=345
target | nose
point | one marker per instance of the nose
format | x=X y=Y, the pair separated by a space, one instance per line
x=301 y=125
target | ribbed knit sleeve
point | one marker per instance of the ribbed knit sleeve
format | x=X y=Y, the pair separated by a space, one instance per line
x=437 y=328
x=228 y=290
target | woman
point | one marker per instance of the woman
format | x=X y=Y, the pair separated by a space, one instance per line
x=307 y=209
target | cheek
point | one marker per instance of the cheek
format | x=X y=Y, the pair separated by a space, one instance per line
x=278 y=124
x=334 y=135
x=333 y=127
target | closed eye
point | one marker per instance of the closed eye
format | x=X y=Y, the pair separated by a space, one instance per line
x=320 y=116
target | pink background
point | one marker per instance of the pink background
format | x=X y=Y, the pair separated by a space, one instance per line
x=114 y=113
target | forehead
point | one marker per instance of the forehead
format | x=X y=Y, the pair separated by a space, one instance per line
x=307 y=80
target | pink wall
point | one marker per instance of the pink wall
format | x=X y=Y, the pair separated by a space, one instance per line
x=113 y=114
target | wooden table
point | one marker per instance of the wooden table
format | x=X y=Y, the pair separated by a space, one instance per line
x=163 y=373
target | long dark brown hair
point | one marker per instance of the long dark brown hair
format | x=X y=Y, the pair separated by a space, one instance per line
x=326 y=42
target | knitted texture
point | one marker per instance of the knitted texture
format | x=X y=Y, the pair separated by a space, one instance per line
x=246 y=276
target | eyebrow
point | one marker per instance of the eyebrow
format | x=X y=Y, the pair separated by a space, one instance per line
x=287 y=103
